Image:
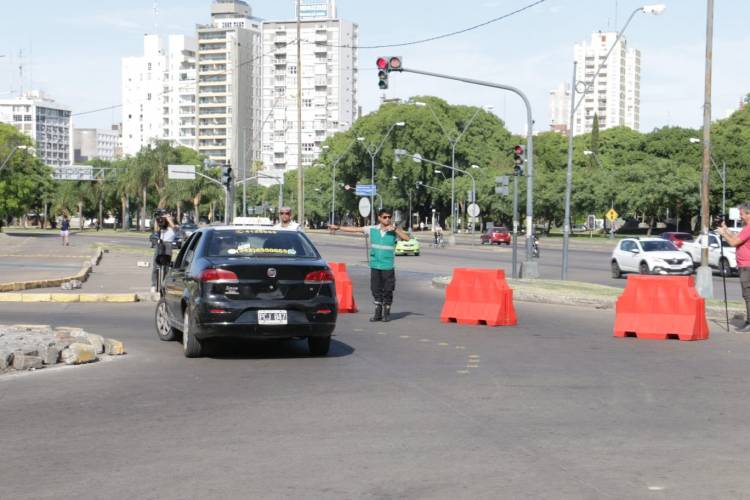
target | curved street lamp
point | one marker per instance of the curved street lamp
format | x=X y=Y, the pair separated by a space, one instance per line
x=373 y=153
x=585 y=87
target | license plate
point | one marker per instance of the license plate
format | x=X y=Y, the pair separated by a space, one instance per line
x=272 y=318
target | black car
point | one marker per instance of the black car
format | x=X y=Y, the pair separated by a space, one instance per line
x=247 y=282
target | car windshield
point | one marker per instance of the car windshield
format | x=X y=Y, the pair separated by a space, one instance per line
x=500 y=230
x=658 y=246
x=260 y=243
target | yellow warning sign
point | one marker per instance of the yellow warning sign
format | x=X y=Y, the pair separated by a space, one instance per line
x=612 y=215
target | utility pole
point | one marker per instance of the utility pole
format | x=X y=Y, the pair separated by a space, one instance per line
x=704 y=277
x=300 y=167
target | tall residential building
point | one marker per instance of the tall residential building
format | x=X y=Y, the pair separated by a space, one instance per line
x=158 y=93
x=329 y=84
x=95 y=144
x=616 y=93
x=229 y=83
x=48 y=123
x=559 y=109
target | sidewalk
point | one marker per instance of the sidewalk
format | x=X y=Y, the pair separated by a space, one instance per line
x=117 y=278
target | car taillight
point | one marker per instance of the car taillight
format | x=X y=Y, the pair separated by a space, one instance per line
x=319 y=277
x=211 y=275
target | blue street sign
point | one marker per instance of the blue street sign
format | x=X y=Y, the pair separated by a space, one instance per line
x=366 y=190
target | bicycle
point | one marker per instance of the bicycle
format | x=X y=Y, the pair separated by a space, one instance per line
x=438 y=242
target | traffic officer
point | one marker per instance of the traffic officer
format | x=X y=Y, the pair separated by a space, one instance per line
x=383 y=238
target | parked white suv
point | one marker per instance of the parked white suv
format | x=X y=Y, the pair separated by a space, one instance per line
x=649 y=256
x=724 y=260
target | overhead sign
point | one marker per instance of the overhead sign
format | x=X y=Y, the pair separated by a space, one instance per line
x=364 y=207
x=181 y=172
x=73 y=173
x=366 y=190
x=473 y=210
x=612 y=215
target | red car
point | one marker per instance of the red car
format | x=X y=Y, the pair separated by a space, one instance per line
x=496 y=236
x=677 y=238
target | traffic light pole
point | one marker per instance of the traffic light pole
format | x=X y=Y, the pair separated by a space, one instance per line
x=530 y=268
x=515 y=225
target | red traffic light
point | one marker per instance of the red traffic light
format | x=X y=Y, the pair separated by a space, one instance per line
x=382 y=63
x=518 y=150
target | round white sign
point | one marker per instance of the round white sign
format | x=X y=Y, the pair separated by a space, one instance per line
x=364 y=207
x=473 y=210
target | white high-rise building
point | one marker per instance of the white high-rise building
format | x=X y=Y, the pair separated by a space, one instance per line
x=559 y=109
x=616 y=94
x=48 y=123
x=94 y=144
x=229 y=83
x=158 y=94
x=329 y=84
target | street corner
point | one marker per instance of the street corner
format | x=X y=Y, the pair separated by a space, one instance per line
x=27 y=347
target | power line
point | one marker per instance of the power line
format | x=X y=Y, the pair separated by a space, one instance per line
x=445 y=35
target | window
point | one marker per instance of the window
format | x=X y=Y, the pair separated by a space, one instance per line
x=307 y=103
x=307 y=147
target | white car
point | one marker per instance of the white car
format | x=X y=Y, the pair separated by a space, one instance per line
x=722 y=259
x=649 y=256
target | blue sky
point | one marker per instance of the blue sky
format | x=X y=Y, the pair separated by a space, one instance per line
x=72 y=50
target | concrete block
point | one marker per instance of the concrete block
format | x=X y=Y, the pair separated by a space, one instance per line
x=78 y=353
x=23 y=361
x=92 y=297
x=11 y=297
x=121 y=297
x=6 y=359
x=114 y=347
x=32 y=327
x=97 y=341
x=50 y=355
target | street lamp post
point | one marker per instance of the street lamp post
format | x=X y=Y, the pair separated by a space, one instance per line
x=374 y=153
x=453 y=141
x=333 y=178
x=587 y=87
x=419 y=158
x=12 y=152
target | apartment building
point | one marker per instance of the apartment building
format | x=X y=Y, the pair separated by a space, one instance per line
x=559 y=109
x=616 y=94
x=159 y=93
x=329 y=85
x=228 y=106
x=47 y=122
x=95 y=144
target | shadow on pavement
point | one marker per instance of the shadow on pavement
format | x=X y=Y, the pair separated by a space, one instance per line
x=270 y=349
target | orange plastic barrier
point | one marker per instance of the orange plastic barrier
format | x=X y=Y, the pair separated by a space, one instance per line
x=661 y=307
x=344 y=289
x=479 y=296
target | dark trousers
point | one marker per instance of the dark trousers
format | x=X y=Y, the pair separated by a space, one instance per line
x=745 y=284
x=382 y=284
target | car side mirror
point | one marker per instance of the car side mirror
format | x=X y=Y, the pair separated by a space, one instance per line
x=635 y=250
x=714 y=245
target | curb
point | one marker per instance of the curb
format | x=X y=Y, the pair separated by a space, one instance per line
x=70 y=297
x=82 y=275
x=583 y=300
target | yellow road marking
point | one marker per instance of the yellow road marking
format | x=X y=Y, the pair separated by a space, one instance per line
x=443 y=344
x=404 y=337
x=462 y=372
x=474 y=356
x=382 y=333
x=460 y=347
x=424 y=340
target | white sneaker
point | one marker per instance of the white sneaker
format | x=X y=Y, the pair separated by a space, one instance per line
x=153 y=289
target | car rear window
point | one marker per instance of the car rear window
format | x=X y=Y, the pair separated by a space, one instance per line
x=658 y=246
x=500 y=230
x=260 y=243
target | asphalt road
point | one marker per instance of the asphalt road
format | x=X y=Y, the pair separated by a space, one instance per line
x=552 y=408
x=585 y=264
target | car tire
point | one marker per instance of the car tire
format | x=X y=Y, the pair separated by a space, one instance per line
x=724 y=268
x=616 y=271
x=164 y=331
x=319 y=346
x=643 y=268
x=416 y=254
x=192 y=347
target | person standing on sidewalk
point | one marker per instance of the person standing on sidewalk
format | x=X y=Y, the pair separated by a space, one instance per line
x=285 y=221
x=741 y=242
x=383 y=238
x=65 y=230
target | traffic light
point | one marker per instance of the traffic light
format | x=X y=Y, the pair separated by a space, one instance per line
x=226 y=176
x=518 y=159
x=385 y=66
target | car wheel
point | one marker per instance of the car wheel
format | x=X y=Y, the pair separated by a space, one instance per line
x=191 y=345
x=643 y=268
x=725 y=268
x=616 y=271
x=319 y=346
x=163 y=329
x=416 y=254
